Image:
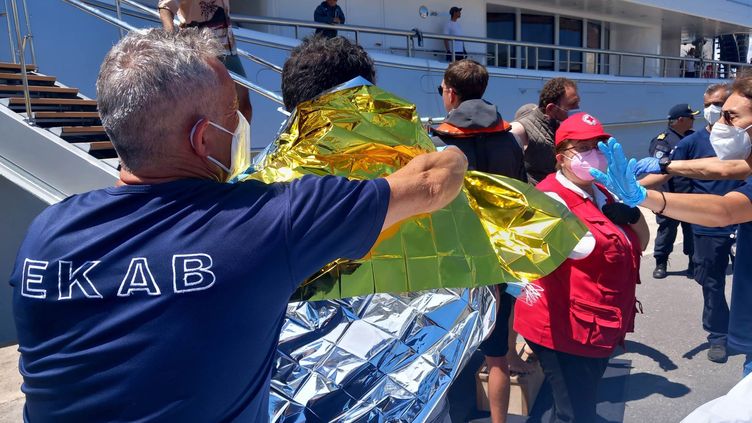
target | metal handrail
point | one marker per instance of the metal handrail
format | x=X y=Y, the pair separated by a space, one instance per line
x=509 y=46
x=128 y=27
x=10 y=32
x=29 y=34
x=155 y=15
x=22 y=59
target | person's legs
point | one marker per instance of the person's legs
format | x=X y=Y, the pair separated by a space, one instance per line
x=574 y=383
x=516 y=364
x=495 y=348
x=664 y=244
x=711 y=257
x=688 y=248
x=498 y=388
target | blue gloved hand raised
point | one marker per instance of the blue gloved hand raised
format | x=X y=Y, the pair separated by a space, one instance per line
x=620 y=177
x=647 y=165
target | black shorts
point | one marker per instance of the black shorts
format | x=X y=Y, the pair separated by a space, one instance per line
x=497 y=343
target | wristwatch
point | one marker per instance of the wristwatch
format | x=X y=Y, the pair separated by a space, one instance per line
x=663 y=163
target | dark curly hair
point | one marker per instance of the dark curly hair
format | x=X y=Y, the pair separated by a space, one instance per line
x=320 y=63
x=553 y=91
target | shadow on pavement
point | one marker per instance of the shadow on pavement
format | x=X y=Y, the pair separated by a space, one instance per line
x=689 y=355
x=664 y=362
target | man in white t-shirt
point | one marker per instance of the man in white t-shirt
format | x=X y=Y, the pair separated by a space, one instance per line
x=453 y=28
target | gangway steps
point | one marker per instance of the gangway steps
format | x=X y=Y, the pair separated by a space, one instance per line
x=17 y=104
x=58 y=109
x=36 y=90
x=16 y=78
x=16 y=67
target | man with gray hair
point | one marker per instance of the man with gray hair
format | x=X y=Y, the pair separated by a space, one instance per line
x=712 y=246
x=161 y=298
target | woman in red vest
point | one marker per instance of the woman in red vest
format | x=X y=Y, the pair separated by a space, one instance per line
x=588 y=303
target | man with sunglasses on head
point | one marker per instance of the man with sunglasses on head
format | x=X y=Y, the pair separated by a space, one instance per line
x=730 y=138
x=535 y=130
x=476 y=127
x=712 y=246
x=681 y=119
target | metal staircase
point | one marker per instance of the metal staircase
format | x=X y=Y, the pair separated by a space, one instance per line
x=57 y=108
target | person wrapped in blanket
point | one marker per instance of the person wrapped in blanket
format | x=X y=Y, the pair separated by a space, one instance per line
x=343 y=124
x=588 y=304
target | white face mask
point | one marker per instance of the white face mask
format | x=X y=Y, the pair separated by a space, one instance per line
x=730 y=142
x=712 y=113
x=240 y=155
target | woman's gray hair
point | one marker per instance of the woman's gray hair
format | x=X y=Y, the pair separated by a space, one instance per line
x=149 y=84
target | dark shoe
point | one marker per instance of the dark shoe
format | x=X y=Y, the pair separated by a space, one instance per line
x=717 y=353
x=660 y=271
x=691 y=270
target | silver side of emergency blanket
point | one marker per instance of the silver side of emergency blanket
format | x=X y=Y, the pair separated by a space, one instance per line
x=378 y=358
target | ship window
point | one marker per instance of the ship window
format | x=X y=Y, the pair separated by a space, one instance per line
x=594 y=63
x=570 y=35
x=501 y=26
x=538 y=29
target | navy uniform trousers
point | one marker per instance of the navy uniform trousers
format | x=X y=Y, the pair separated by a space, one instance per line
x=711 y=259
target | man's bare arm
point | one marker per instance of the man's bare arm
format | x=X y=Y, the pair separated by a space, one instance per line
x=711 y=168
x=654 y=181
x=702 y=209
x=427 y=183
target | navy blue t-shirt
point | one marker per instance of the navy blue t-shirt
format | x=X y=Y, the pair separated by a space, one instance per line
x=740 y=319
x=164 y=302
x=698 y=146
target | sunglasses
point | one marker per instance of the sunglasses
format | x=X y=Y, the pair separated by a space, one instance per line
x=727 y=117
x=440 y=89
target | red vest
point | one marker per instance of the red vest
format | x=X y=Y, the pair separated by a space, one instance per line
x=587 y=305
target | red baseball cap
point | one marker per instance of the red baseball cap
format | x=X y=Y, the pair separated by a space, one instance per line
x=580 y=127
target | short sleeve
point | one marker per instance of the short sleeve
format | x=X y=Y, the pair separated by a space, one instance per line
x=746 y=188
x=332 y=217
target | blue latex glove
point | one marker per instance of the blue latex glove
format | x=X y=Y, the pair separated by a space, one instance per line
x=647 y=165
x=620 y=177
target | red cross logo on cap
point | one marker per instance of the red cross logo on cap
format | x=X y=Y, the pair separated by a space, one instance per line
x=589 y=120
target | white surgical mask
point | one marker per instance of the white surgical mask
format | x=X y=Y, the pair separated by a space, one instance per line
x=240 y=155
x=712 y=113
x=730 y=142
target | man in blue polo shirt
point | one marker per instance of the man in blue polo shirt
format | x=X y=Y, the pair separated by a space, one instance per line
x=161 y=299
x=712 y=246
x=730 y=138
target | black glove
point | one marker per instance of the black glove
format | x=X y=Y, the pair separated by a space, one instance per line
x=621 y=214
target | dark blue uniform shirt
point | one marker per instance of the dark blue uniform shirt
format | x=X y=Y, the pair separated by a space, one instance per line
x=740 y=319
x=698 y=146
x=164 y=302
x=663 y=145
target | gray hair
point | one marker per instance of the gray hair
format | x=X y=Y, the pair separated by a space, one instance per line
x=149 y=84
x=717 y=87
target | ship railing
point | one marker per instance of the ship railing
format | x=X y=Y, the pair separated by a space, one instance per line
x=525 y=55
x=19 y=48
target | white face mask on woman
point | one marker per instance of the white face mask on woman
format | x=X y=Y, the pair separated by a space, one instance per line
x=730 y=142
x=240 y=155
